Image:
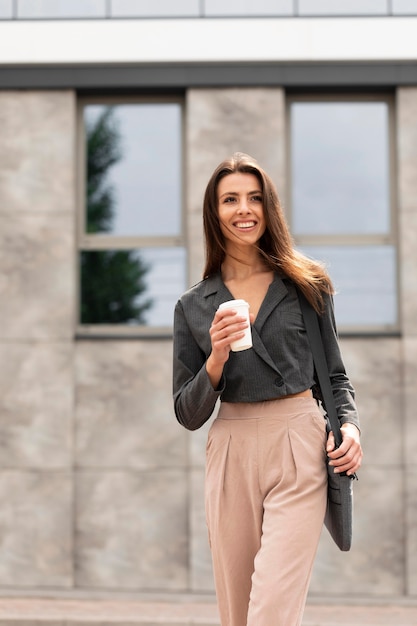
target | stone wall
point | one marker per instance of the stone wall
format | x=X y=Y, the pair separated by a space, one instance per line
x=37 y=286
x=101 y=489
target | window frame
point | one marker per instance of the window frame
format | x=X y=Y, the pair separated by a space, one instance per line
x=391 y=237
x=100 y=242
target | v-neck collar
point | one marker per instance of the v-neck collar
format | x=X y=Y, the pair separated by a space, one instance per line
x=214 y=286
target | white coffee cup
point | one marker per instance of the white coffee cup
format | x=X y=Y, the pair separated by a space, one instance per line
x=242 y=308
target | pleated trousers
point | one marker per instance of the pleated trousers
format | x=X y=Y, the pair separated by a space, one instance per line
x=266 y=493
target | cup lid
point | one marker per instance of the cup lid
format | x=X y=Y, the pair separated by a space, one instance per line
x=232 y=303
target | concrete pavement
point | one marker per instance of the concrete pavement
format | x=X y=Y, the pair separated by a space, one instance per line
x=184 y=611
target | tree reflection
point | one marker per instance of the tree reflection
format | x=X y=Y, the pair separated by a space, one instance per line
x=112 y=281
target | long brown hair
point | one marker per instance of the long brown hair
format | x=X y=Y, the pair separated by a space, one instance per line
x=276 y=244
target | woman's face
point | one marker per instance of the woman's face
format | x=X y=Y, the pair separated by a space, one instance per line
x=240 y=209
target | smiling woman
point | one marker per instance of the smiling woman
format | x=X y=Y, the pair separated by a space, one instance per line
x=266 y=475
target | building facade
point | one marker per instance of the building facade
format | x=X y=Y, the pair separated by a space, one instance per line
x=102 y=490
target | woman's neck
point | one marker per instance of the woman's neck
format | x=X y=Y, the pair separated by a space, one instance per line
x=235 y=269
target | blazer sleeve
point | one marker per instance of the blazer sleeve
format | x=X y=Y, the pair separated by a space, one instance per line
x=194 y=396
x=343 y=390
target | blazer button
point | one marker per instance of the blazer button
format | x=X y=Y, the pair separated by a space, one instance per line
x=278 y=382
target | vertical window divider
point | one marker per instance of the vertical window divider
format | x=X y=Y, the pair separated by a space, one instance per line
x=296 y=8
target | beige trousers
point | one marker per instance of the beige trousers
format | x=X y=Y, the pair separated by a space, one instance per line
x=266 y=484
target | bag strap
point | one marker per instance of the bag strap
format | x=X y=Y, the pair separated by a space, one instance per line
x=316 y=344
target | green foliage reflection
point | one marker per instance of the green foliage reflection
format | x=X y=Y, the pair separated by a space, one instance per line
x=111 y=280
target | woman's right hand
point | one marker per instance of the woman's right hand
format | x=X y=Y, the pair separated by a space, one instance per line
x=227 y=326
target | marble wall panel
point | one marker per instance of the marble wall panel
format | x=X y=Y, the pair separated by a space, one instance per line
x=407 y=147
x=374 y=366
x=411 y=516
x=220 y=122
x=410 y=399
x=36 y=529
x=375 y=565
x=410 y=445
x=132 y=530
x=201 y=573
x=124 y=412
x=408 y=270
x=36 y=405
x=37 y=276
x=37 y=151
x=407 y=205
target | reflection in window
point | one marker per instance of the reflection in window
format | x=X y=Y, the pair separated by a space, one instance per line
x=166 y=281
x=245 y=8
x=61 y=9
x=340 y=165
x=342 y=7
x=341 y=202
x=143 y=179
x=131 y=286
x=365 y=281
x=113 y=287
x=132 y=261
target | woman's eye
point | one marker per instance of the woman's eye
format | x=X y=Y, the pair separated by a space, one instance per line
x=231 y=199
x=257 y=198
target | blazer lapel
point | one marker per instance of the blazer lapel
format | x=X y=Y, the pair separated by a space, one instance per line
x=276 y=292
x=216 y=292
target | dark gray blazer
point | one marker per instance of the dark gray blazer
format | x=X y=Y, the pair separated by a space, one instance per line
x=279 y=363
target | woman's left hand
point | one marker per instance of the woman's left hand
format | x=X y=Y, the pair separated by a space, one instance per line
x=348 y=457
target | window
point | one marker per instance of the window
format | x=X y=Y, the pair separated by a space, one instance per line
x=34 y=9
x=247 y=7
x=342 y=7
x=404 y=7
x=157 y=8
x=342 y=202
x=6 y=9
x=132 y=255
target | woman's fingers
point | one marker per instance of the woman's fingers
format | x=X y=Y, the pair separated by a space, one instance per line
x=348 y=457
x=226 y=327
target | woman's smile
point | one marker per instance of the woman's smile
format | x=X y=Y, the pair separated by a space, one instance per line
x=245 y=225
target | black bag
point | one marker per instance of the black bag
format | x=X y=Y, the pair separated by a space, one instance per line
x=339 y=513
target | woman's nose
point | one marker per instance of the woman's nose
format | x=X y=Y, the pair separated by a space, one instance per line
x=243 y=206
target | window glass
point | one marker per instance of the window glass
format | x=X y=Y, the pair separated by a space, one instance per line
x=342 y=7
x=404 y=7
x=341 y=202
x=166 y=282
x=248 y=7
x=61 y=8
x=156 y=8
x=6 y=9
x=340 y=168
x=365 y=281
x=132 y=254
x=142 y=181
x=135 y=287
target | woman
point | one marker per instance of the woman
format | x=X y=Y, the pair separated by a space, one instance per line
x=266 y=477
